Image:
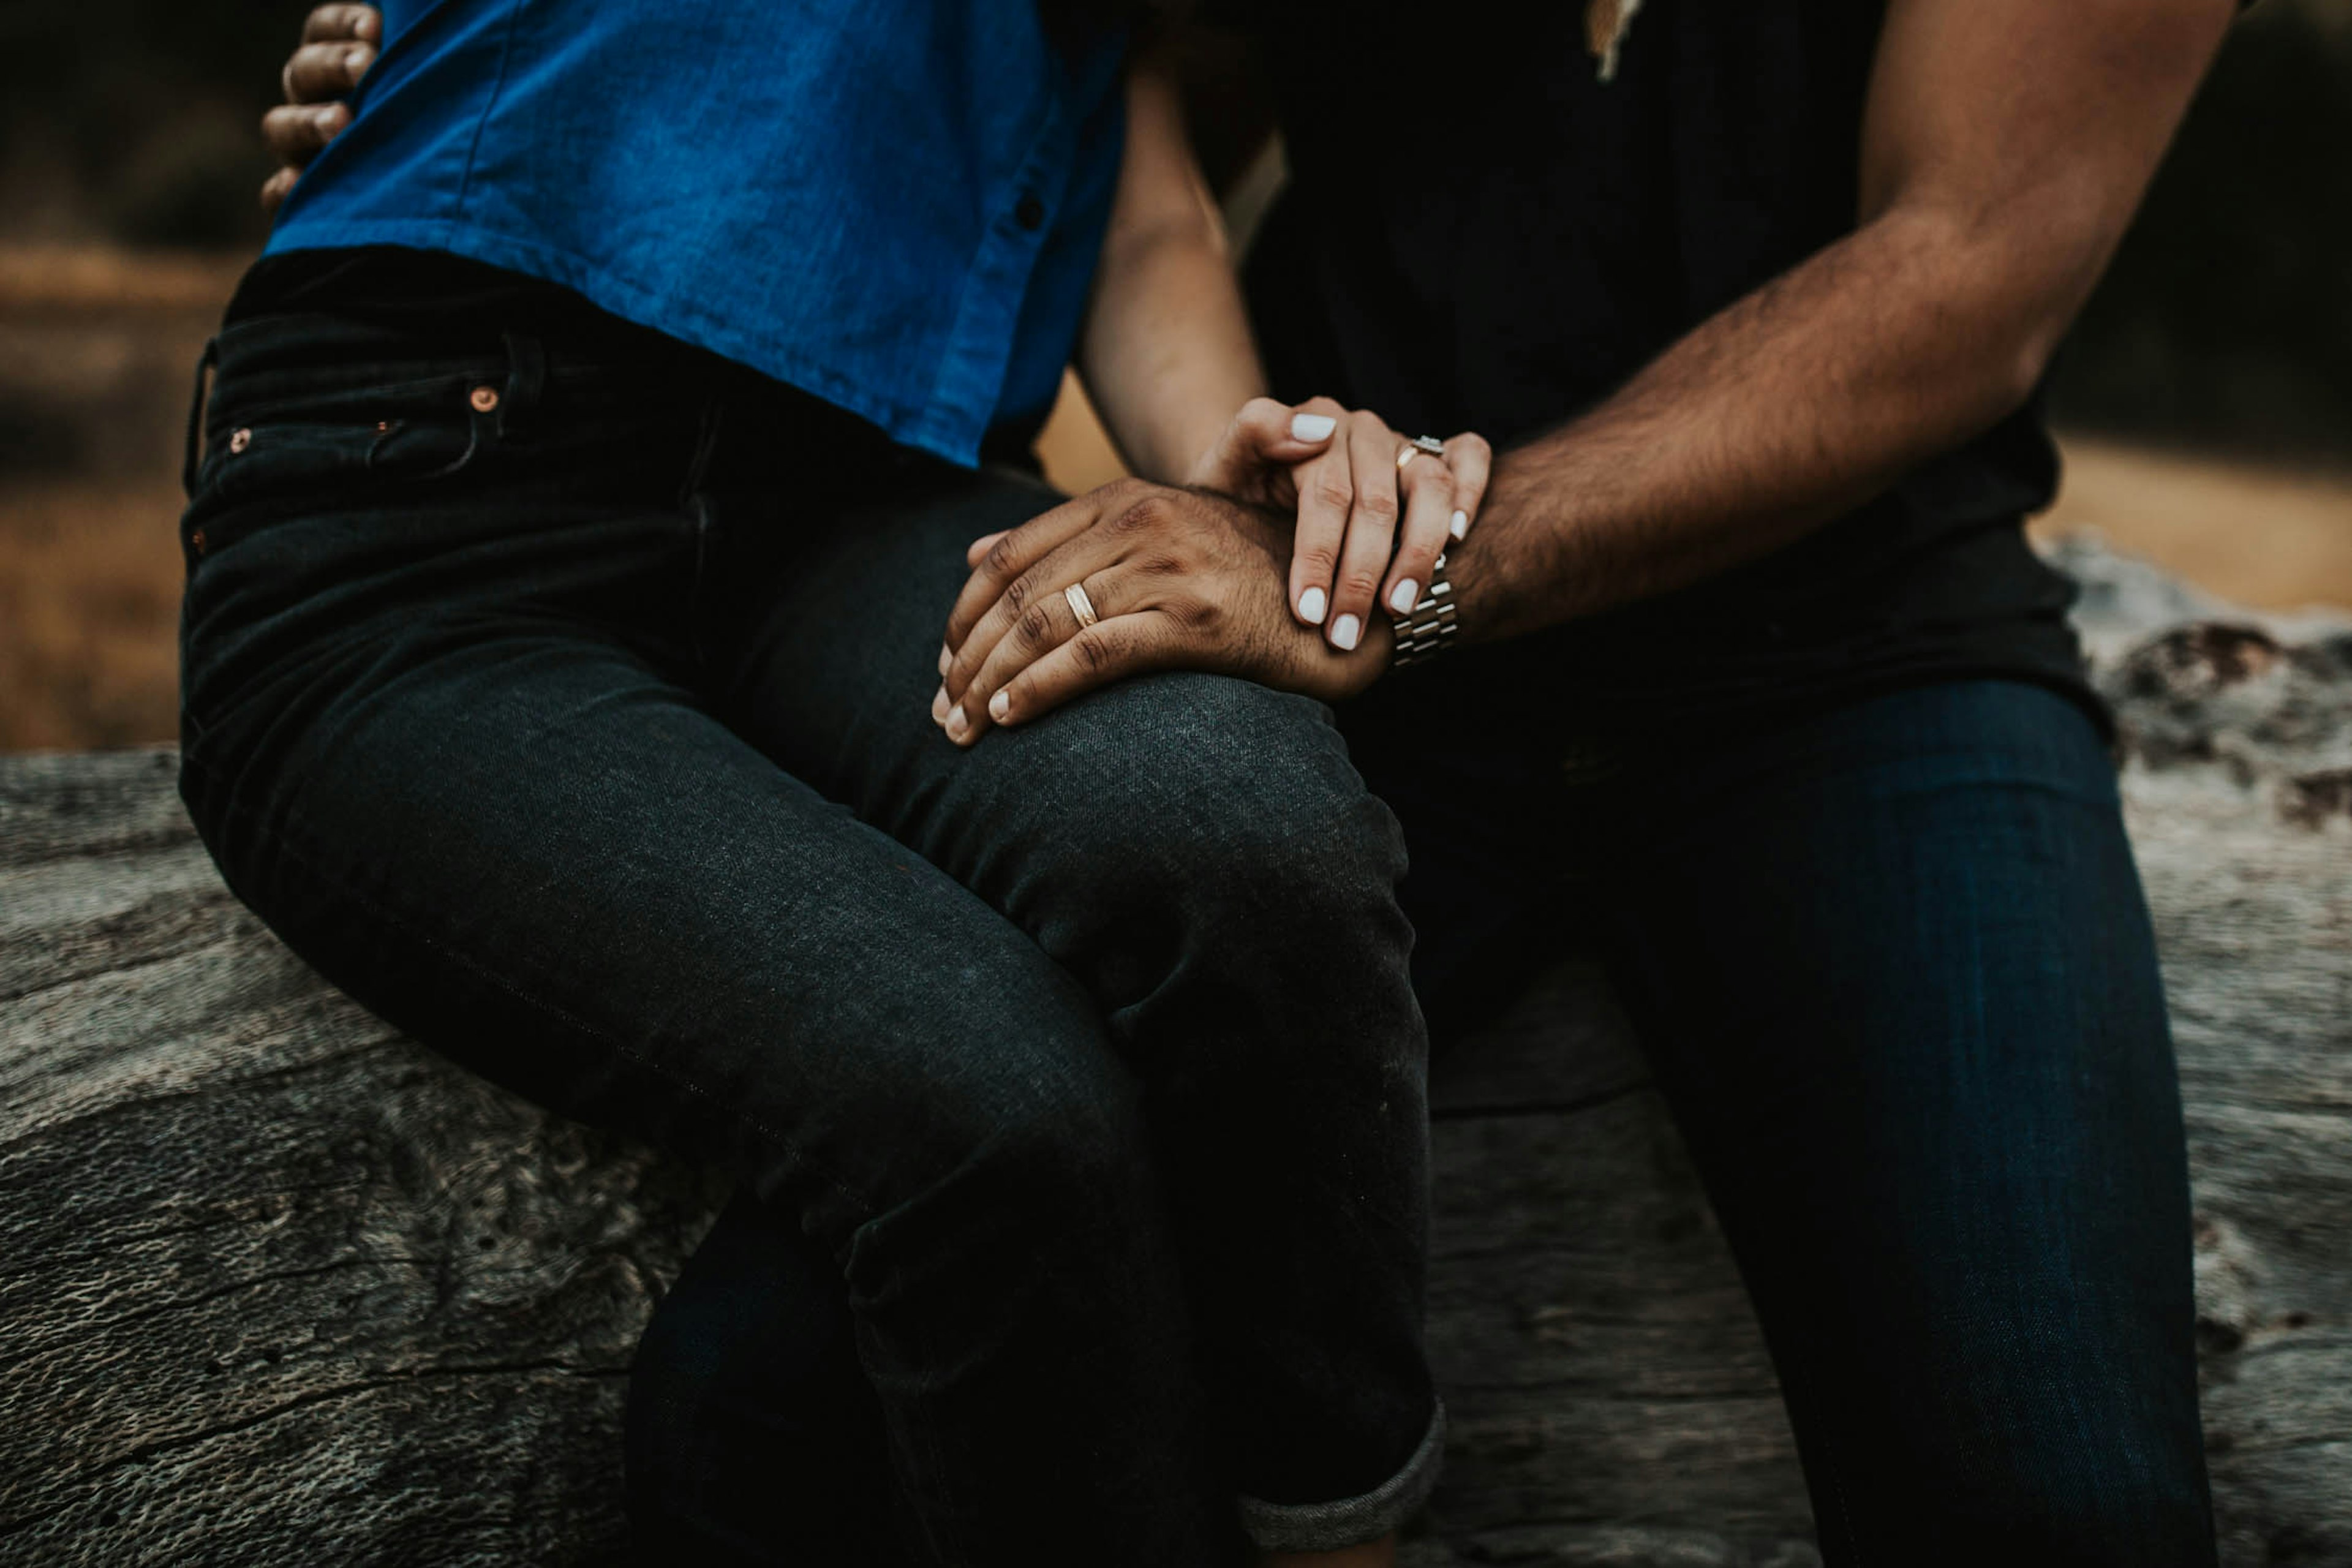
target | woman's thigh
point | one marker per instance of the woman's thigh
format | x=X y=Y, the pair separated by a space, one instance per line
x=1896 y=974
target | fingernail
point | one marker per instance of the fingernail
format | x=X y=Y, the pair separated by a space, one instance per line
x=357 y=60
x=1311 y=605
x=957 y=722
x=940 y=706
x=999 y=706
x=1312 y=426
x=947 y=657
x=1460 y=524
x=1407 y=594
x=1346 y=632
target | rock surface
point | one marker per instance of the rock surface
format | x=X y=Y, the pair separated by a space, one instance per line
x=278 y=1286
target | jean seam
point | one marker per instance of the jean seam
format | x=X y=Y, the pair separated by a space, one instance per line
x=1352 y=1522
x=499 y=983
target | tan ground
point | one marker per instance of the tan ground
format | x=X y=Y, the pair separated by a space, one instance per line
x=95 y=352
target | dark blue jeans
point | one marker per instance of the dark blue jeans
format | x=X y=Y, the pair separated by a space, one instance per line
x=565 y=700
x=1894 y=970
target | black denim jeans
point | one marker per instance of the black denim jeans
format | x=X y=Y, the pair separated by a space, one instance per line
x=1894 y=971
x=566 y=701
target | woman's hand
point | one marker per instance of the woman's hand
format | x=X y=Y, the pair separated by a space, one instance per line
x=1338 y=472
x=1175 y=579
x=339 y=43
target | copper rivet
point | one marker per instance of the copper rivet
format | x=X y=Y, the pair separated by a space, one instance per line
x=197 y=540
x=484 y=398
x=240 y=440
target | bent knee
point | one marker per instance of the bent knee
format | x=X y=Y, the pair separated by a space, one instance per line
x=1236 y=804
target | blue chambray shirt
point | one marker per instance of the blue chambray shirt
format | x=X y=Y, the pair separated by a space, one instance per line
x=895 y=205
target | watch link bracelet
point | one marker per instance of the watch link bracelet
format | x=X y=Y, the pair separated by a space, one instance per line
x=1429 y=629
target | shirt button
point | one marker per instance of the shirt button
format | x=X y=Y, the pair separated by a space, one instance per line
x=1031 y=213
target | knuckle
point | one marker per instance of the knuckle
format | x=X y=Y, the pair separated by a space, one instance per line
x=1374 y=507
x=1335 y=492
x=1145 y=513
x=1094 y=650
x=1036 y=627
x=999 y=561
x=1018 y=593
x=1160 y=563
x=1355 y=583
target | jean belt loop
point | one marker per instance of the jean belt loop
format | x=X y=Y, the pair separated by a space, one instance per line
x=526 y=379
x=193 y=451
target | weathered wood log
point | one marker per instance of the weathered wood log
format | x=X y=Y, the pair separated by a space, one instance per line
x=278 y=1285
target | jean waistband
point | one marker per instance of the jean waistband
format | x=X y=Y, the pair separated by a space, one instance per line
x=313 y=366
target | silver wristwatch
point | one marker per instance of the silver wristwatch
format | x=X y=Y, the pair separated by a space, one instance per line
x=1426 y=631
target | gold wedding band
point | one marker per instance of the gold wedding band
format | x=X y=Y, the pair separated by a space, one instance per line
x=1416 y=446
x=1080 y=605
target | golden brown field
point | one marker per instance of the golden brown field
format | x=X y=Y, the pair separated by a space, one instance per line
x=95 y=355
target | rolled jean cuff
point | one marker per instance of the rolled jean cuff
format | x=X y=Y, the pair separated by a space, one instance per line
x=1351 y=1521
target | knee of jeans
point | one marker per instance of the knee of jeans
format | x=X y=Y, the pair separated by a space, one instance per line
x=1235 y=809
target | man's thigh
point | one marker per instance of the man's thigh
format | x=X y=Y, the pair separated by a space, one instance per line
x=1896 y=972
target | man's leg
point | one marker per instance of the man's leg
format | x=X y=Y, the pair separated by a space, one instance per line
x=1199 y=854
x=1896 y=974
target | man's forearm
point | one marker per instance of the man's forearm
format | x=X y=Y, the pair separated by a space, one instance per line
x=1791 y=407
x=2005 y=146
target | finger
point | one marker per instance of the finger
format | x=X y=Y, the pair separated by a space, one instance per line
x=1111 y=650
x=1265 y=435
x=275 y=190
x=1327 y=490
x=1026 y=606
x=1471 y=460
x=1429 y=491
x=1049 y=622
x=333 y=24
x=981 y=547
x=1373 y=449
x=321 y=72
x=1018 y=549
x=295 y=133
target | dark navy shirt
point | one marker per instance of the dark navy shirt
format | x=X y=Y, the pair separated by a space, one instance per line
x=895 y=205
x=1502 y=247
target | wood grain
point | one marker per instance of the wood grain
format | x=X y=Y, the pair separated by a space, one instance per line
x=280 y=1286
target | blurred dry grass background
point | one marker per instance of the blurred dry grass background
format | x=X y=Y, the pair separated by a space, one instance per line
x=2207 y=395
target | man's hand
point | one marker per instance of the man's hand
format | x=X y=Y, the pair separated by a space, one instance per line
x=1177 y=579
x=339 y=43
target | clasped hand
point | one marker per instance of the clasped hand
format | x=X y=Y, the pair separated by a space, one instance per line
x=1266 y=567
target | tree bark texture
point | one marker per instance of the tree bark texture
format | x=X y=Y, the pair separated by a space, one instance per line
x=278 y=1285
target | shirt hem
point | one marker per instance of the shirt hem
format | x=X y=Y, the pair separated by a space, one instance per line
x=921 y=428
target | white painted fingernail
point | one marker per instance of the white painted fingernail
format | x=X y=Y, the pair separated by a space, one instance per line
x=1311 y=605
x=999 y=706
x=1460 y=524
x=1407 y=594
x=957 y=722
x=940 y=706
x=1312 y=426
x=1347 y=632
